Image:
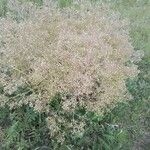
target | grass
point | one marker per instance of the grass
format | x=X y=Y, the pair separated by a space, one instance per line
x=132 y=118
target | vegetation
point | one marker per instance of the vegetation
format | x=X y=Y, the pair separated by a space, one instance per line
x=60 y=121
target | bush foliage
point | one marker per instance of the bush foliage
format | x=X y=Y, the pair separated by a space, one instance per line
x=63 y=73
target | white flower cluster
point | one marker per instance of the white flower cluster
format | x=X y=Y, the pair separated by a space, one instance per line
x=84 y=51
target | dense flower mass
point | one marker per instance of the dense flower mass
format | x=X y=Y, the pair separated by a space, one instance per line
x=83 y=51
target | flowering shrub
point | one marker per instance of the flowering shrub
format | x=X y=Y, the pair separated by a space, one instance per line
x=82 y=52
x=85 y=52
